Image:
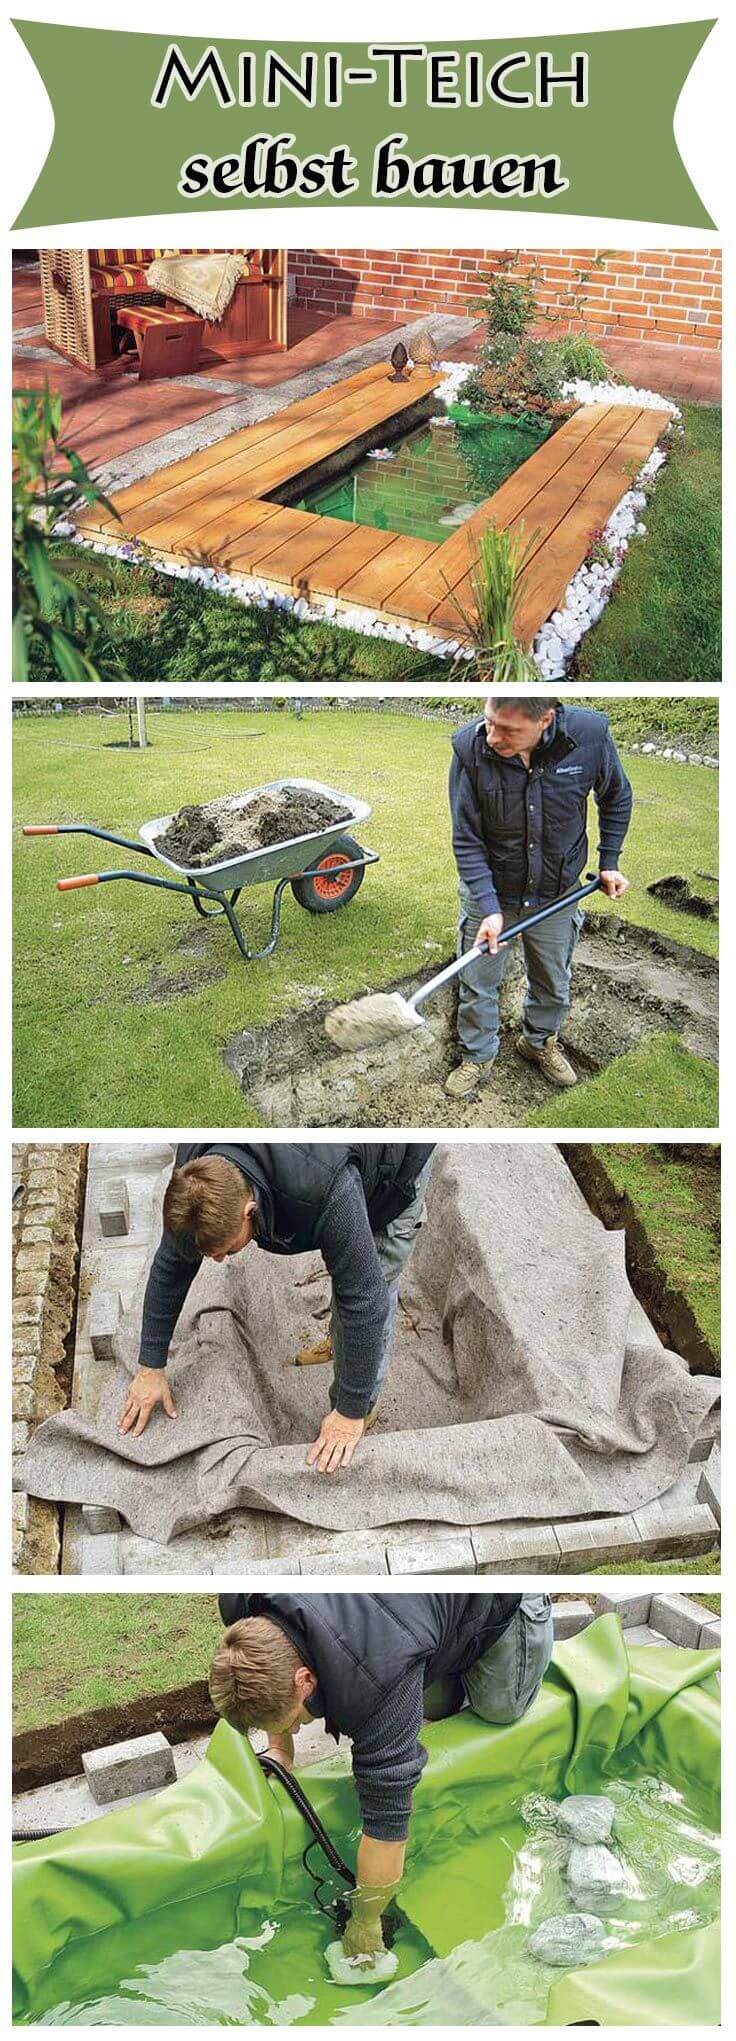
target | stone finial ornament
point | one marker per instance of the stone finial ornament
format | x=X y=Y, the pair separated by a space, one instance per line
x=399 y=360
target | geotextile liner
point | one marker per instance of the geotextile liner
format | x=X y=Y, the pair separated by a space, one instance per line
x=233 y=825
x=221 y=1851
x=526 y=1381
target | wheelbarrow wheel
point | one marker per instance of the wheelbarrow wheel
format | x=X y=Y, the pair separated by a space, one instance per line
x=332 y=882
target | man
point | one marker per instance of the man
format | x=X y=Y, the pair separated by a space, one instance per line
x=375 y=1666
x=519 y=785
x=360 y=1204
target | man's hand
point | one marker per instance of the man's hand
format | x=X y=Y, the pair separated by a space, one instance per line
x=363 y=1937
x=149 y=1387
x=335 y=1446
x=614 y=884
x=489 y=932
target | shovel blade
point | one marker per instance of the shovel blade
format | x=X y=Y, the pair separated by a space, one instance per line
x=365 y=1023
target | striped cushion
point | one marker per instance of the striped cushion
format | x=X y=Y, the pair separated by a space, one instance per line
x=112 y=280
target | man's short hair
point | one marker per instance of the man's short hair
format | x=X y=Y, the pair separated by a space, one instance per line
x=252 y=1674
x=532 y=705
x=207 y=1198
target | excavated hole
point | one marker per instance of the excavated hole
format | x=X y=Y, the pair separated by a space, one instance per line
x=628 y=984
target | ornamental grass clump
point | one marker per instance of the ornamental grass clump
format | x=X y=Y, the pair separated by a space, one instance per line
x=51 y=613
x=489 y=620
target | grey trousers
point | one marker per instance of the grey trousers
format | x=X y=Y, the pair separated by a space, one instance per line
x=502 y=1684
x=548 y=955
x=394 y=1246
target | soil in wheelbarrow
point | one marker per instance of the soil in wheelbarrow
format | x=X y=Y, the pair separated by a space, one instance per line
x=208 y=835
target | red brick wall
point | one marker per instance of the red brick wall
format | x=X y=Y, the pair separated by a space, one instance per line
x=671 y=294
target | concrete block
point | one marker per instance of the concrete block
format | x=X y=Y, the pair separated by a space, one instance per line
x=141 y=1765
x=369 y=1557
x=514 y=1548
x=678 y=1533
x=434 y=1552
x=143 y=1555
x=679 y=1618
x=709 y=1486
x=631 y=1608
x=597 y=1541
x=100 y=1521
x=101 y=1554
x=114 y=1208
x=105 y=1313
x=710 y=1635
x=571 y=1617
x=227 y=1563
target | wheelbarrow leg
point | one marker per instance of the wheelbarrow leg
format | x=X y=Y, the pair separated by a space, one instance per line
x=254 y=956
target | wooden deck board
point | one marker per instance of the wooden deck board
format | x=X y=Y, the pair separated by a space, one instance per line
x=218 y=503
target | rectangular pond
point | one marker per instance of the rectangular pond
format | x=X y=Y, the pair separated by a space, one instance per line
x=430 y=482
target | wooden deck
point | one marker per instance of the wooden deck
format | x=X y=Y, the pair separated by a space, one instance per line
x=216 y=506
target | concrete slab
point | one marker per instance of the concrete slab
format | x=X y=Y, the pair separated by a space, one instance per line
x=642 y=1633
x=105 y=1313
x=571 y=1617
x=515 y=1548
x=684 y=1532
x=710 y=1635
x=98 y=1520
x=597 y=1541
x=68 y=1802
x=114 y=1208
x=141 y=1765
x=431 y=1552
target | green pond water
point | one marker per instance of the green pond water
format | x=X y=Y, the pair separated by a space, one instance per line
x=435 y=479
x=209 y=1962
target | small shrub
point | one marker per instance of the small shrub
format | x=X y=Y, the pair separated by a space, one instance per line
x=582 y=361
x=523 y=379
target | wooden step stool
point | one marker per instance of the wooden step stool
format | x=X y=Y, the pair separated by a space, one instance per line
x=168 y=338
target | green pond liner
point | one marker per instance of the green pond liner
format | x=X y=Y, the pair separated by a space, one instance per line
x=204 y=1904
x=436 y=477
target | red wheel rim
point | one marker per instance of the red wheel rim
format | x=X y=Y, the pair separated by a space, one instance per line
x=333 y=878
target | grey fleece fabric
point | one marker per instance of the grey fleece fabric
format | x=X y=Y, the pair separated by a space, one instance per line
x=526 y=1381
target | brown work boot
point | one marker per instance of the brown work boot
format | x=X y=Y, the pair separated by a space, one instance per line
x=550 y=1059
x=313 y=1356
x=466 y=1078
x=371 y=1419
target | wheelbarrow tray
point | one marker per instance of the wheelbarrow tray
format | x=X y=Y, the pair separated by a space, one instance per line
x=277 y=860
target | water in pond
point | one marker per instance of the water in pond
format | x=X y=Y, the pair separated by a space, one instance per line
x=205 y=1962
x=434 y=479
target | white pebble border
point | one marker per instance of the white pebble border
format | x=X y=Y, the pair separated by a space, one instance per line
x=679 y=757
x=585 y=596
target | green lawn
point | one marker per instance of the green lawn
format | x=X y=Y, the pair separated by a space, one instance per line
x=76 y=1652
x=676 y=1199
x=664 y=620
x=660 y=1083
x=94 y=1048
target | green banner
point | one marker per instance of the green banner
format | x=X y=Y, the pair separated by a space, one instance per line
x=567 y=124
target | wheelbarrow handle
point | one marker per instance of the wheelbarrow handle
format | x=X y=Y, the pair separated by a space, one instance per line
x=40 y=829
x=70 y=885
x=592 y=885
x=86 y=829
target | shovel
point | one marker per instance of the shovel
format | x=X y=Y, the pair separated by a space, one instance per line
x=381 y=1016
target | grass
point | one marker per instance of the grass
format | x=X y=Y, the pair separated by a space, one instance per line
x=709 y=1564
x=78 y=1652
x=676 y=1198
x=99 y=1041
x=664 y=620
x=660 y=1083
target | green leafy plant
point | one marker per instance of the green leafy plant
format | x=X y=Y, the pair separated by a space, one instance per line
x=508 y=303
x=521 y=378
x=583 y=361
x=490 y=619
x=49 y=610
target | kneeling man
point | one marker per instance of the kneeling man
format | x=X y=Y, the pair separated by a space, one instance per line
x=360 y=1203
x=375 y=1666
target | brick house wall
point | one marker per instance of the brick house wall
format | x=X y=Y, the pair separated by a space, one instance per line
x=668 y=294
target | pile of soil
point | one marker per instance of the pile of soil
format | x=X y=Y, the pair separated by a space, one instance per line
x=232 y=826
x=678 y=893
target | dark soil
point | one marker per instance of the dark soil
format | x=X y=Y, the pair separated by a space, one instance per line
x=677 y=892
x=201 y=836
x=55 y=1752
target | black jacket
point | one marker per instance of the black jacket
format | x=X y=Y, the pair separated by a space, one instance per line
x=335 y=1196
x=519 y=834
x=372 y=1655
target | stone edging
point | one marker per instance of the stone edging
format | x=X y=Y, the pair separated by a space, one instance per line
x=47 y=1189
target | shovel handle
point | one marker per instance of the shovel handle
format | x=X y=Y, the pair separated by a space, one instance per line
x=592 y=885
x=70 y=885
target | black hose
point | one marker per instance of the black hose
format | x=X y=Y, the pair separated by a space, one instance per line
x=36 y=1835
x=273 y=1770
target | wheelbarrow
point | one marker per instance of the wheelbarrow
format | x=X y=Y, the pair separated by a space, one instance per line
x=324 y=868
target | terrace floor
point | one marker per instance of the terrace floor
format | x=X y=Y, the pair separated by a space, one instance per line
x=217 y=506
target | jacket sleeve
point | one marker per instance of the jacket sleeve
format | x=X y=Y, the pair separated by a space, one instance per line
x=359 y=1290
x=172 y=1273
x=471 y=855
x=614 y=800
x=388 y=1761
